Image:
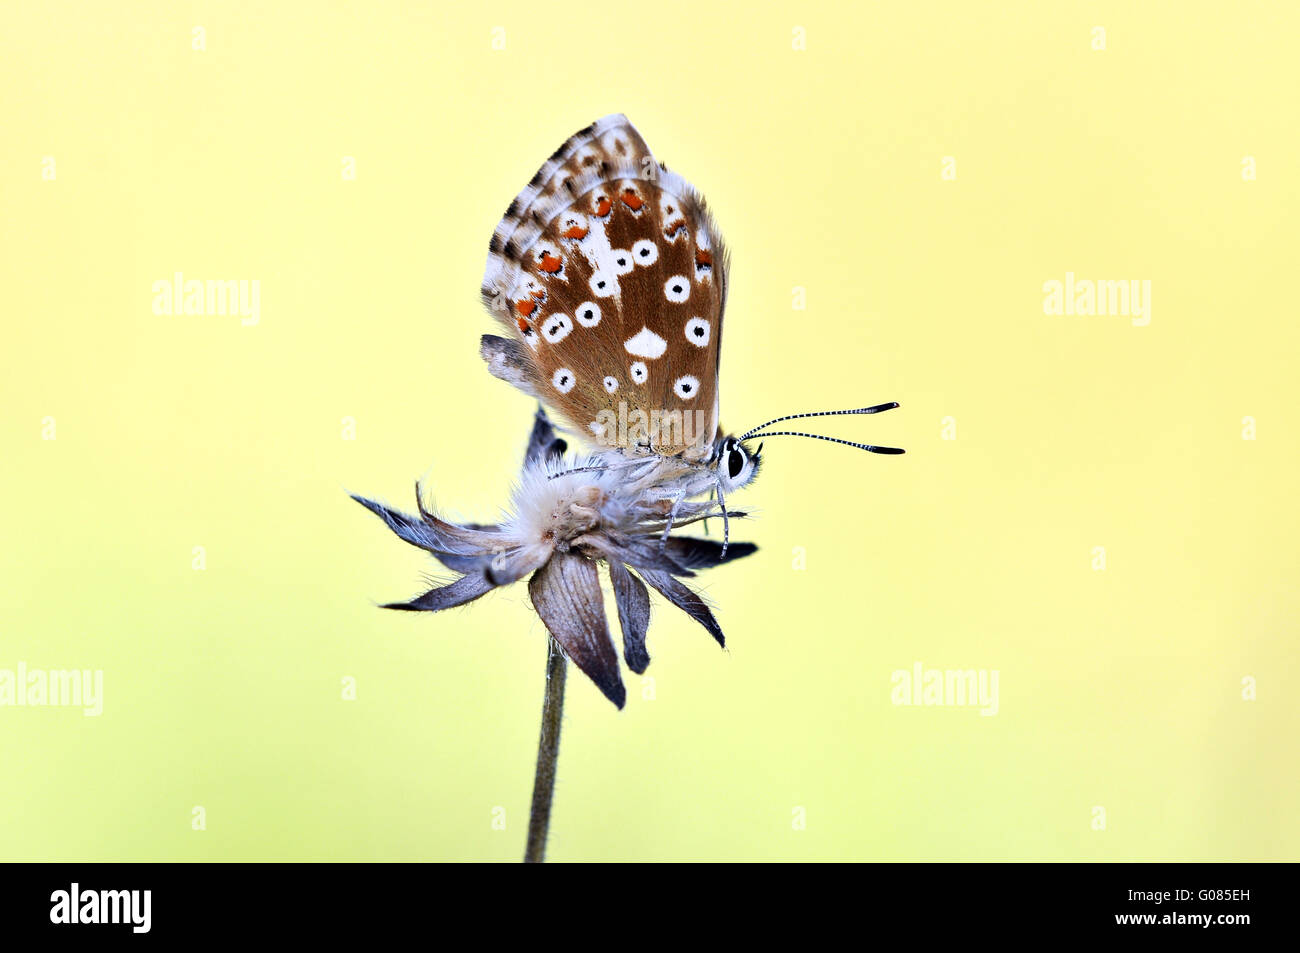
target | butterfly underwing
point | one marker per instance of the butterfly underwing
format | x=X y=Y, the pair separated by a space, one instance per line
x=610 y=277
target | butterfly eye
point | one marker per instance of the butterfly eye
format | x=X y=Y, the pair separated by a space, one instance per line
x=697 y=331
x=639 y=372
x=735 y=463
x=622 y=261
x=563 y=380
x=645 y=252
x=611 y=384
x=588 y=314
x=677 y=289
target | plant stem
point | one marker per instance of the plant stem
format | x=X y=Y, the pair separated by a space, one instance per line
x=548 y=751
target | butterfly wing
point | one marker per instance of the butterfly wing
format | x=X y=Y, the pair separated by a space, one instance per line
x=611 y=278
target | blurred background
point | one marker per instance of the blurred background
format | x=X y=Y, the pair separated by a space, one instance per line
x=1099 y=508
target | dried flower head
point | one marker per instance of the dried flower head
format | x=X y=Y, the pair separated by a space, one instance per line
x=565 y=518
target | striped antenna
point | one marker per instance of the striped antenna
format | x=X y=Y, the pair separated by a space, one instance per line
x=871 y=448
x=821 y=413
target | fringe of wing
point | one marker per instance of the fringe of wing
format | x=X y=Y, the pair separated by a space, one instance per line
x=555 y=187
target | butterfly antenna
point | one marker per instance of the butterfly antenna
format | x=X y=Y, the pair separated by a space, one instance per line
x=822 y=413
x=871 y=448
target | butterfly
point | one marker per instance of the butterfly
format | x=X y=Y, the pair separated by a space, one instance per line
x=610 y=275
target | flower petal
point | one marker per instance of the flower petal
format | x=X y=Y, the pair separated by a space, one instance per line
x=463 y=590
x=428 y=536
x=566 y=594
x=695 y=553
x=688 y=600
x=638 y=552
x=513 y=565
x=465 y=540
x=421 y=534
x=406 y=527
x=633 y=614
x=542 y=443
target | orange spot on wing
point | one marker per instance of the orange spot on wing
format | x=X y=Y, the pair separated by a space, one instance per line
x=523 y=325
x=577 y=232
x=632 y=200
x=550 y=264
x=526 y=308
x=602 y=206
x=703 y=257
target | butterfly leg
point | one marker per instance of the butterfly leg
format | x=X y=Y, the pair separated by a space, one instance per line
x=575 y=470
x=672 y=518
x=726 y=523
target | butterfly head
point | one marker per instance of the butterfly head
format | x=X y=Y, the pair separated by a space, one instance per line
x=737 y=464
x=737 y=461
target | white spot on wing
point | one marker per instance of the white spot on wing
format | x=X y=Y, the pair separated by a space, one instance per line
x=639 y=372
x=563 y=380
x=645 y=343
x=677 y=289
x=588 y=314
x=556 y=328
x=686 y=386
x=697 y=331
x=645 y=252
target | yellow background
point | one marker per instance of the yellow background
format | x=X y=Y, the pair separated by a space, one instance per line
x=1119 y=688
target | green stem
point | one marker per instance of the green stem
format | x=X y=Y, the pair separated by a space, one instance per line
x=548 y=751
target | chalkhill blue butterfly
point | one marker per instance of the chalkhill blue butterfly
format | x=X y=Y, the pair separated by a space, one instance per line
x=609 y=276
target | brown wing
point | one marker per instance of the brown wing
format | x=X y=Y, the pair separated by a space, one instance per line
x=611 y=277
